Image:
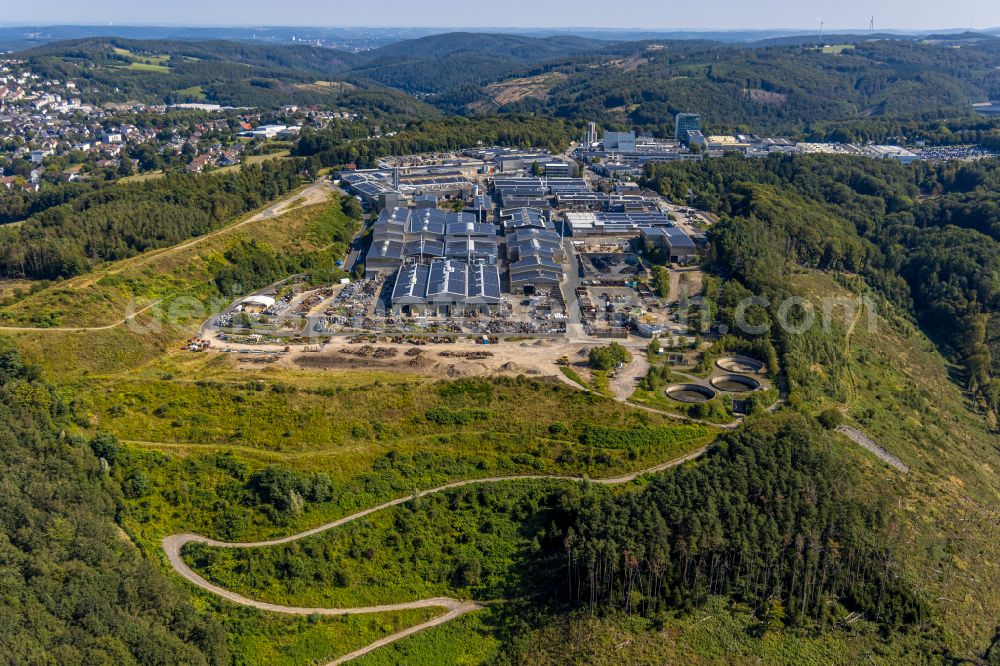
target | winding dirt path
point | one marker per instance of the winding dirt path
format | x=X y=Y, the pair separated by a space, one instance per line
x=80 y=329
x=173 y=545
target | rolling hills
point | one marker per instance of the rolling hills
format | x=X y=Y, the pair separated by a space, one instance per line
x=786 y=542
x=784 y=85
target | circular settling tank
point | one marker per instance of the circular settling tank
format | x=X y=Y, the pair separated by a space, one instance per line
x=690 y=393
x=743 y=364
x=735 y=383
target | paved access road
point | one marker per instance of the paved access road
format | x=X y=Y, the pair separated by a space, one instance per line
x=173 y=545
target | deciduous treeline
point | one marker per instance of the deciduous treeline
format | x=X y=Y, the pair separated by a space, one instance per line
x=74 y=590
x=119 y=222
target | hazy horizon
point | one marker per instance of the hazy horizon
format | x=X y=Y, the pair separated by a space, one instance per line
x=492 y=28
x=582 y=15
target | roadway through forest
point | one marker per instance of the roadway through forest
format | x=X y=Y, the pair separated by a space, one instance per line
x=174 y=544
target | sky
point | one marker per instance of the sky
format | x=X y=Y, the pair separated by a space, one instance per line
x=644 y=14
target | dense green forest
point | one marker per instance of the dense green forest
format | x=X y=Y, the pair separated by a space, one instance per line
x=121 y=221
x=75 y=589
x=462 y=60
x=337 y=146
x=18 y=204
x=861 y=91
x=925 y=235
x=228 y=73
x=769 y=519
x=781 y=89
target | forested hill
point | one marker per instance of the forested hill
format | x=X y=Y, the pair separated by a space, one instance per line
x=163 y=68
x=925 y=235
x=275 y=57
x=121 y=221
x=75 y=589
x=792 y=87
x=228 y=73
x=711 y=528
x=781 y=88
x=443 y=62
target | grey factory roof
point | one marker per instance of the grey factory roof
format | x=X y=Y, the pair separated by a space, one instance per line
x=520 y=188
x=531 y=262
x=471 y=228
x=533 y=246
x=411 y=284
x=420 y=224
x=484 y=284
x=371 y=189
x=546 y=235
x=470 y=247
x=394 y=216
x=525 y=218
x=383 y=232
x=675 y=237
x=387 y=249
x=567 y=185
x=425 y=247
x=535 y=276
x=519 y=182
x=511 y=201
x=351 y=177
x=447 y=280
x=618 y=220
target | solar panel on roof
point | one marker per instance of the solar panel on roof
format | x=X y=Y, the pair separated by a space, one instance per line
x=411 y=283
x=447 y=279
x=425 y=247
x=484 y=283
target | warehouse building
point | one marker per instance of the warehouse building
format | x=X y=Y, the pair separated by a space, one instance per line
x=446 y=288
x=407 y=235
x=472 y=250
x=409 y=294
x=535 y=256
x=534 y=273
x=556 y=169
x=534 y=241
x=515 y=219
x=521 y=192
x=622 y=224
x=678 y=245
x=384 y=256
x=423 y=249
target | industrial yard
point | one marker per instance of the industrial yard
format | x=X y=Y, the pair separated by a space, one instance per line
x=486 y=245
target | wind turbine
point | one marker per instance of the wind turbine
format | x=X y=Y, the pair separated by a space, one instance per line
x=871 y=26
x=821 y=22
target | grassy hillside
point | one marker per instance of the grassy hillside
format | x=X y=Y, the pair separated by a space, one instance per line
x=175 y=285
x=374 y=437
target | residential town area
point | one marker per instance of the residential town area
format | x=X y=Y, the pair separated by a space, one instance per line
x=49 y=135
